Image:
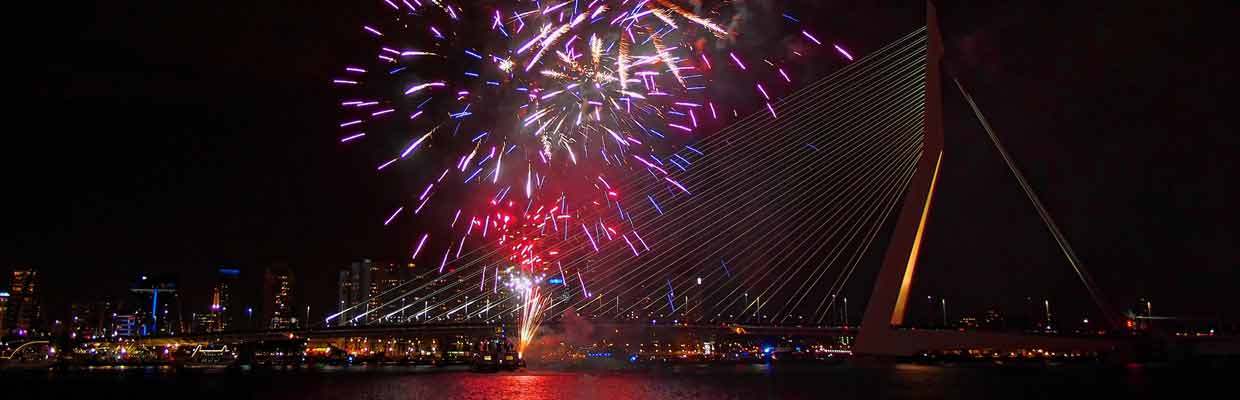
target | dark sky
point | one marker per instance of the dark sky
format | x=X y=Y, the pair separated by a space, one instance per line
x=182 y=136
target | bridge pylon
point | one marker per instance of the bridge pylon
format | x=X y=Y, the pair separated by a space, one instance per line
x=880 y=333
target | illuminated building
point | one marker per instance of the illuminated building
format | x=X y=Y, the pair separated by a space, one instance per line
x=344 y=295
x=23 y=311
x=353 y=288
x=388 y=279
x=158 y=309
x=88 y=320
x=420 y=286
x=430 y=296
x=4 y=306
x=221 y=298
x=205 y=322
x=4 y=310
x=373 y=287
x=278 y=298
x=564 y=296
x=379 y=281
x=218 y=316
x=452 y=301
x=92 y=320
x=365 y=288
x=125 y=325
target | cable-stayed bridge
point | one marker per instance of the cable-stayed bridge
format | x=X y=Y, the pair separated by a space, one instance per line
x=782 y=212
x=777 y=214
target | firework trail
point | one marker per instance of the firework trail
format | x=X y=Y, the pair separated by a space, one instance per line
x=552 y=99
x=532 y=306
x=520 y=235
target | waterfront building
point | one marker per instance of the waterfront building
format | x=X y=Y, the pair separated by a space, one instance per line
x=353 y=286
x=221 y=298
x=125 y=325
x=23 y=309
x=278 y=298
x=4 y=307
x=158 y=305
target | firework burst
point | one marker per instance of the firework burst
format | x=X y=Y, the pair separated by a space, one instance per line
x=552 y=99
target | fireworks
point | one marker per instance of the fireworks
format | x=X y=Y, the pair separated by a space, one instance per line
x=550 y=98
x=532 y=306
x=520 y=234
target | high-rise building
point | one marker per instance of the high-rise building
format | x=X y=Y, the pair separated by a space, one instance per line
x=382 y=299
x=87 y=320
x=158 y=308
x=278 y=298
x=205 y=322
x=350 y=290
x=370 y=292
x=389 y=281
x=354 y=291
x=221 y=300
x=91 y=320
x=374 y=287
x=447 y=296
x=4 y=307
x=106 y=309
x=344 y=296
x=125 y=325
x=425 y=296
x=408 y=282
x=23 y=311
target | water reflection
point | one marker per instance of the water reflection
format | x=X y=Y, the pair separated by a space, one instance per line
x=759 y=381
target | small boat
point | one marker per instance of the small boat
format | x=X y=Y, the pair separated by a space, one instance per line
x=32 y=355
x=205 y=357
x=496 y=354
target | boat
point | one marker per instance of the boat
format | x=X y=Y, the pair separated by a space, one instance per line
x=495 y=354
x=205 y=357
x=31 y=355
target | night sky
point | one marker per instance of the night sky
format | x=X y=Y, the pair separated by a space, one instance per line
x=180 y=137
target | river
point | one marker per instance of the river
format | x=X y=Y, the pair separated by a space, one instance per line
x=900 y=381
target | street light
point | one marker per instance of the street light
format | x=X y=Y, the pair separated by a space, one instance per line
x=249 y=313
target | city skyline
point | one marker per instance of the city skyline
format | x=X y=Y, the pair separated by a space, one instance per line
x=125 y=317
x=337 y=218
x=615 y=199
x=242 y=211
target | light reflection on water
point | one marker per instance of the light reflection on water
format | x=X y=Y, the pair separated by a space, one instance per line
x=671 y=382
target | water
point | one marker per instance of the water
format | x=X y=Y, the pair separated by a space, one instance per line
x=679 y=382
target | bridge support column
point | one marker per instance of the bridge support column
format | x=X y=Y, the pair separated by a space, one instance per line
x=891 y=290
x=880 y=334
